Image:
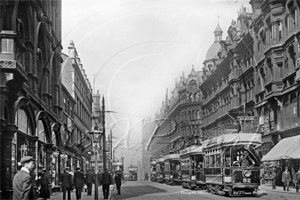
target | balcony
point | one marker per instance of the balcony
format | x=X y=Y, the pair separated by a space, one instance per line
x=10 y=53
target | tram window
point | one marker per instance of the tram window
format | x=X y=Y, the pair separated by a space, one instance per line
x=206 y=161
x=213 y=161
x=227 y=160
x=218 y=160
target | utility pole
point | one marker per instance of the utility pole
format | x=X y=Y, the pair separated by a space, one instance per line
x=104 y=138
x=111 y=151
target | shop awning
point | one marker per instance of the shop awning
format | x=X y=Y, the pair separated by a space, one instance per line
x=287 y=148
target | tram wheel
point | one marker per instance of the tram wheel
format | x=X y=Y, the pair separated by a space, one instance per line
x=228 y=193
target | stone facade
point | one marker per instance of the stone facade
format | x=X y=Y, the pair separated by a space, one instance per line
x=179 y=119
x=30 y=88
x=76 y=82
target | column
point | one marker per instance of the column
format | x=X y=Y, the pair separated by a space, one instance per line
x=33 y=149
x=6 y=172
x=48 y=158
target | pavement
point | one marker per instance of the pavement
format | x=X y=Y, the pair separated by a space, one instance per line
x=266 y=187
x=263 y=189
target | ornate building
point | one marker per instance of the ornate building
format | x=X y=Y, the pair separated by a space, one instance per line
x=179 y=120
x=227 y=88
x=76 y=82
x=30 y=91
x=276 y=35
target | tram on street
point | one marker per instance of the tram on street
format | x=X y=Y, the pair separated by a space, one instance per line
x=153 y=171
x=133 y=172
x=192 y=167
x=232 y=165
x=160 y=175
x=172 y=169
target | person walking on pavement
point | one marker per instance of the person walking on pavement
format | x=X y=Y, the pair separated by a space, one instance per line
x=22 y=181
x=273 y=177
x=78 y=182
x=286 y=178
x=89 y=182
x=44 y=182
x=146 y=176
x=66 y=183
x=106 y=180
x=298 y=180
x=118 y=180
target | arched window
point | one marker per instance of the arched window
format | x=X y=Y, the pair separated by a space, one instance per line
x=23 y=122
x=41 y=131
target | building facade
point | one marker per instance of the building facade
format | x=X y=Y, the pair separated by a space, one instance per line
x=76 y=82
x=228 y=83
x=179 y=119
x=276 y=35
x=30 y=97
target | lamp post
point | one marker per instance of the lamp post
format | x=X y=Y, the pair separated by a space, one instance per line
x=96 y=136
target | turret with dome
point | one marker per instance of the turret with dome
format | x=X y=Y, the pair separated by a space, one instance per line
x=216 y=46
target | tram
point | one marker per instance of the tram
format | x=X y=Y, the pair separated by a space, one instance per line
x=160 y=175
x=153 y=171
x=232 y=164
x=133 y=172
x=172 y=169
x=192 y=167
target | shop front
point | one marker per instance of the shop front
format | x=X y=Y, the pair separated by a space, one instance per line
x=286 y=153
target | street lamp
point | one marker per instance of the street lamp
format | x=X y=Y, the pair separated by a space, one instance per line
x=95 y=134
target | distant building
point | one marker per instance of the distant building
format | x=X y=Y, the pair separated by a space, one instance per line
x=178 y=123
x=76 y=82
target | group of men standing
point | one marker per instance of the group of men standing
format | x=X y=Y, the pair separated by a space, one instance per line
x=105 y=179
x=286 y=179
x=23 y=182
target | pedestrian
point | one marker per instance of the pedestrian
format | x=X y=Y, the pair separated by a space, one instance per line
x=89 y=182
x=286 y=178
x=66 y=183
x=78 y=182
x=298 y=180
x=22 y=181
x=44 y=182
x=262 y=174
x=146 y=176
x=118 y=180
x=106 y=180
x=273 y=178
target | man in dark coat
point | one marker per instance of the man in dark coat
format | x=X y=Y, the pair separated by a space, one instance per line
x=106 y=180
x=44 y=182
x=118 y=181
x=22 y=182
x=78 y=182
x=66 y=183
x=286 y=178
x=89 y=182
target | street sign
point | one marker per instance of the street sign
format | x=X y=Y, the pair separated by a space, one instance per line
x=96 y=144
x=245 y=118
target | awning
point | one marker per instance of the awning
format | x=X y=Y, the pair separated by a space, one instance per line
x=287 y=148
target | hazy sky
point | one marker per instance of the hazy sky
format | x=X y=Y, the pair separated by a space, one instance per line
x=138 y=48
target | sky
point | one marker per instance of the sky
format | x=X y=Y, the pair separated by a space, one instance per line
x=133 y=50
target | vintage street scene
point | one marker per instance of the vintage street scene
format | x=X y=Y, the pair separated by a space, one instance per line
x=149 y=99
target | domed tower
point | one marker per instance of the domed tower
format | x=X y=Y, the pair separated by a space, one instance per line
x=218 y=33
x=216 y=46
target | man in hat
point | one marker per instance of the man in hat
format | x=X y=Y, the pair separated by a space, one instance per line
x=66 y=183
x=78 y=182
x=89 y=181
x=22 y=182
x=106 y=180
x=44 y=182
x=245 y=160
x=286 y=178
x=118 y=180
